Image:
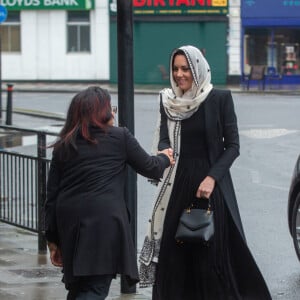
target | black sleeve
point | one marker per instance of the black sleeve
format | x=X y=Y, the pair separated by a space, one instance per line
x=53 y=184
x=143 y=163
x=164 y=141
x=230 y=138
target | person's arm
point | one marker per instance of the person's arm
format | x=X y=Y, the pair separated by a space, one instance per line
x=230 y=151
x=164 y=141
x=230 y=139
x=143 y=163
x=53 y=184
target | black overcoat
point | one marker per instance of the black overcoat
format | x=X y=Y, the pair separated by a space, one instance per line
x=85 y=211
x=223 y=148
x=222 y=134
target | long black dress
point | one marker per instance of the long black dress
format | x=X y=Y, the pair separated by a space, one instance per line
x=190 y=271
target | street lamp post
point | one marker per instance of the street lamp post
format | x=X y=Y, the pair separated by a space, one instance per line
x=126 y=108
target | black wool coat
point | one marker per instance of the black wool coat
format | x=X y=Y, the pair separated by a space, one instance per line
x=85 y=211
x=223 y=148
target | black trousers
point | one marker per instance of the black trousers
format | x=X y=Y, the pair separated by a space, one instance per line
x=90 y=288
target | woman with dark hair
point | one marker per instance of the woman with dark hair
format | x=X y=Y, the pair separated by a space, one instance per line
x=200 y=124
x=86 y=218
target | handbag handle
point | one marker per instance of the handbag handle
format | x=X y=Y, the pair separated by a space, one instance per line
x=188 y=210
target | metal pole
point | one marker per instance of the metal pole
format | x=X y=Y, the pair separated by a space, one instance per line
x=41 y=180
x=9 y=104
x=126 y=108
x=0 y=78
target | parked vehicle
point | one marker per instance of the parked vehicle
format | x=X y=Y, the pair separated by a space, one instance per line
x=294 y=207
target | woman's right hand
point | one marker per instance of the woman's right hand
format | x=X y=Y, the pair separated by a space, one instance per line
x=55 y=255
x=170 y=153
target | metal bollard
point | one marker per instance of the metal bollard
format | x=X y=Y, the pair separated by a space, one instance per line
x=9 y=104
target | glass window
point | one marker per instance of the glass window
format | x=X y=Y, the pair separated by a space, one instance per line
x=78 y=31
x=273 y=47
x=10 y=32
x=286 y=44
x=256 y=41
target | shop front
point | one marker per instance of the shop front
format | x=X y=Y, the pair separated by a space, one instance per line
x=55 y=40
x=162 y=25
x=271 y=37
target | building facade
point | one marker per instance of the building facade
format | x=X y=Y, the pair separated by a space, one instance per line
x=75 y=40
x=271 y=37
x=162 y=25
x=55 y=40
x=234 y=42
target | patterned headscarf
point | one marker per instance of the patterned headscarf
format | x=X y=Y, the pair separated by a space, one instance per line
x=179 y=105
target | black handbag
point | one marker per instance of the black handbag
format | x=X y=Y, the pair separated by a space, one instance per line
x=195 y=225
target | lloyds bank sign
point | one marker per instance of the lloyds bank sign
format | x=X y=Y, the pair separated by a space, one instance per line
x=48 y=4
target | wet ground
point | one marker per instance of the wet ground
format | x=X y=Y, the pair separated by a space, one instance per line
x=26 y=274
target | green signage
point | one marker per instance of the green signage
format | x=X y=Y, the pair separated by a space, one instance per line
x=48 y=4
x=175 y=7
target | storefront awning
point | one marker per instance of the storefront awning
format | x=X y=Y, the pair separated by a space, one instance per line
x=271 y=22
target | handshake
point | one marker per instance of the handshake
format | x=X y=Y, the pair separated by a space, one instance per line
x=170 y=153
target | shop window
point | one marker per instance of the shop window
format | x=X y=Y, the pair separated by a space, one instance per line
x=290 y=58
x=10 y=33
x=255 y=48
x=78 y=31
x=277 y=48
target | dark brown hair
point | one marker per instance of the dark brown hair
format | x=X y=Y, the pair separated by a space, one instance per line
x=90 y=107
x=174 y=54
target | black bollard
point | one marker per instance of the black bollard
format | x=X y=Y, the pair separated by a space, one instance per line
x=9 y=104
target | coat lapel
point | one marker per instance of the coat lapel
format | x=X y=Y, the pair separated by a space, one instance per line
x=211 y=119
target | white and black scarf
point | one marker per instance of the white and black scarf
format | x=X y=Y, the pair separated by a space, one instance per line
x=178 y=106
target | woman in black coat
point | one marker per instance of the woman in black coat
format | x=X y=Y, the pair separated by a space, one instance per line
x=86 y=218
x=200 y=125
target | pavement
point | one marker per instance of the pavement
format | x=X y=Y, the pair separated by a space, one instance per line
x=28 y=275
x=24 y=272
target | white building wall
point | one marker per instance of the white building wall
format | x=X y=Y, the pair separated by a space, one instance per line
x=44 y=48
x=234 y=38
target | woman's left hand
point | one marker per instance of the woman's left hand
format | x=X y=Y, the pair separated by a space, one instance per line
x=206 y=187
x=55 y=255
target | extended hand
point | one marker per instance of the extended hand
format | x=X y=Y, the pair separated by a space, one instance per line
x=206 y=187
x=169 y=152
x=55 y=255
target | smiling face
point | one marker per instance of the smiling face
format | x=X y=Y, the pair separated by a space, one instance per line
x=182 y=73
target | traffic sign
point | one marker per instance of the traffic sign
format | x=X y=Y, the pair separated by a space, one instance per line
x=3 y=13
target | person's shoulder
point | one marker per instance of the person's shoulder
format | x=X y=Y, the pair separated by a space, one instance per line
x=116 y=130
x=221 y=92
x=165 y=90
x=119 y=131
x=220 y=96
